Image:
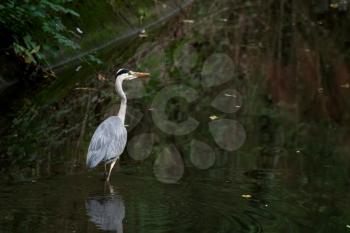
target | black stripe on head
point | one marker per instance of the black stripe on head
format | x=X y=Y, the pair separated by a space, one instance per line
x=122 y=71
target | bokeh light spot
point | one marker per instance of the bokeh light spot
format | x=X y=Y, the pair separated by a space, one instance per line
x=134 y=89
x=228 y=101
x=202 y=155
x=140 y=146
x=228 y=134
x=185 y=57
x=133 y=117
x=161 y=118
x=168 y=166
x=217 y=69
x=150 y=58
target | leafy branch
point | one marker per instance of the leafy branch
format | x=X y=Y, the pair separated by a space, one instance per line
x=36 y=28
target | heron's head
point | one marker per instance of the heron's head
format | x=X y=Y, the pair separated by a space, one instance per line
x=125 y=74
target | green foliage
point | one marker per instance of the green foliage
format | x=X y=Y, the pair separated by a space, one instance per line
x=32 y=134
x=34 y=23
x=29 y=51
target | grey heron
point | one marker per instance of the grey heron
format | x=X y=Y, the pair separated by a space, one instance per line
x=110 y=137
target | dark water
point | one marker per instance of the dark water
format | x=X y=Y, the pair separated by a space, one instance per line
x=243 y=127
x=210 y=201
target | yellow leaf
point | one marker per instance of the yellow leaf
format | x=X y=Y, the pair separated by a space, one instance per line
x=247 y=196
x=35 y=50
x=334 y=5
x=346 y=85
x=213 y=117
x=188 y=21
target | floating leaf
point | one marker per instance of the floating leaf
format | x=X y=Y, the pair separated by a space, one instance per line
x=213 y=117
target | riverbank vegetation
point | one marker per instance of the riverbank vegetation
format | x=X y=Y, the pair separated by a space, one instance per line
x=34 y=30
x=292 y=72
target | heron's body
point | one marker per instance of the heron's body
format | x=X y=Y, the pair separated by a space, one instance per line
x=109 y=139
x=107 y=143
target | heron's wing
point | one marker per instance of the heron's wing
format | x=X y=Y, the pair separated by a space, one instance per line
x=107 y=142
x=119 y=138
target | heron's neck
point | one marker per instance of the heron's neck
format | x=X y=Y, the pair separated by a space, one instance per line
x=119 y=89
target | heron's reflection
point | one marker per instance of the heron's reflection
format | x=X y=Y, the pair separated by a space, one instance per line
x=106 y=211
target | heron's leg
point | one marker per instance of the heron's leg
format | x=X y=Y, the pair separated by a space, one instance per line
x=105 y=173
x=110 y=169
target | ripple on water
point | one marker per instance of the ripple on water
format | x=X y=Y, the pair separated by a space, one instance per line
x=194 y=206
x=198 y=203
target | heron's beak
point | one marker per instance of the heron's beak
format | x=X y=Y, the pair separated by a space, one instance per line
x=141 y=75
